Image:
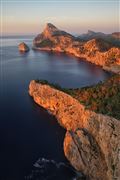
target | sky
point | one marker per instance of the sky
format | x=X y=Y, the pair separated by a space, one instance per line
x=74 y=16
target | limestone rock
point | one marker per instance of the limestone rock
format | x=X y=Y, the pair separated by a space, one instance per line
x=92 y=141
x=23 y=47
x=97 y=50
x=97 y=45
x=85 y=154
x=51 y=37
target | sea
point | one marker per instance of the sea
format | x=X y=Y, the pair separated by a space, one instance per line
x=31 y=140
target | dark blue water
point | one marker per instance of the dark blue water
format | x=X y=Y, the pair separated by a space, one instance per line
x=27 y=131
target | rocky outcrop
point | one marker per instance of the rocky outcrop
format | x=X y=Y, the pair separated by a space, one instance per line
x=97 y=50
x=92 y=141
x=23 y=47
x=51 y=37
x=116 y=35
x=85 y=154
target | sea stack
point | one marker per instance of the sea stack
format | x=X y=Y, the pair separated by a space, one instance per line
x=23 y=47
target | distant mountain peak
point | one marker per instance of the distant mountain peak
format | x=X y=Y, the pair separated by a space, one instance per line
x=92 y=35
x=91 y=32
x=49 y=30
x=50 y=25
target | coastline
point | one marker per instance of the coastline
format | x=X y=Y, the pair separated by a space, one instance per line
x=87 y=133
x=113 y=68
x=91 y=143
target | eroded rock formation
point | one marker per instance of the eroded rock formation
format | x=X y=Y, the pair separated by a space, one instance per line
x=23 y=47
x=92 y=141
x=97 y=50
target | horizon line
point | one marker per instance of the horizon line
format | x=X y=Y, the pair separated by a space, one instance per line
x=32 y=34
x=59 y=1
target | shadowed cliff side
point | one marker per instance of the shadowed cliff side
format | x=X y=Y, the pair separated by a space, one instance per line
x=92 y=140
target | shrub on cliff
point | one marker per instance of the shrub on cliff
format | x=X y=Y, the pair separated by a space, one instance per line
x=102 y=98
x=45 y=43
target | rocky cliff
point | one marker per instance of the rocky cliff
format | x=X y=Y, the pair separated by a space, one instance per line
x=96 y=50
x=92 y=141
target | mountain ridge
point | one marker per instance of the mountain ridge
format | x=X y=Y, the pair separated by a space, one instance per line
x=100 y=51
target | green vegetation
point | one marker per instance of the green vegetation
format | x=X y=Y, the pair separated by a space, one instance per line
x=45 y=43
x=113 y=41
x=55 y=86
x=102 y=98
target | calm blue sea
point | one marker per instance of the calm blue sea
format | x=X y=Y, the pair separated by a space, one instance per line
x=31 y=140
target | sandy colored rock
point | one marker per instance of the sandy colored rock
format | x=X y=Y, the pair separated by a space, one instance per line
x=85 y=154
x=23 y=47
x=97 y=51
x=92 y=141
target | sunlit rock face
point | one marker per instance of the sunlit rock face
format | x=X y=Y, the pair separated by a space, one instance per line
x=51 y=37
x=85 y=154
x=97 y=50
x=92 y=140
x=49 y=30
x=23 y=47
x=97 y=45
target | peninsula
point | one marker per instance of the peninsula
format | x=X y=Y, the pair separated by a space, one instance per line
x=97 y=48
x=90 y=115
x=92 y=140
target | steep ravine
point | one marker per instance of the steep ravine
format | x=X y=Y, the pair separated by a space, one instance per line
x=92 y=141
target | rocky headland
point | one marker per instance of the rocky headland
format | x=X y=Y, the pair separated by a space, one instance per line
x=92 y=141
x=100 y=49
x=90 y=115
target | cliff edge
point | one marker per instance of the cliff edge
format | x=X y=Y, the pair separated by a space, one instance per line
x=92 y=141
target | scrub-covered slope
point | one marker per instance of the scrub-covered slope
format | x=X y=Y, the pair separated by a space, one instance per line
x=92 y=140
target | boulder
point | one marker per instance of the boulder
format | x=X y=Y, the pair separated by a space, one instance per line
x=23 y=47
